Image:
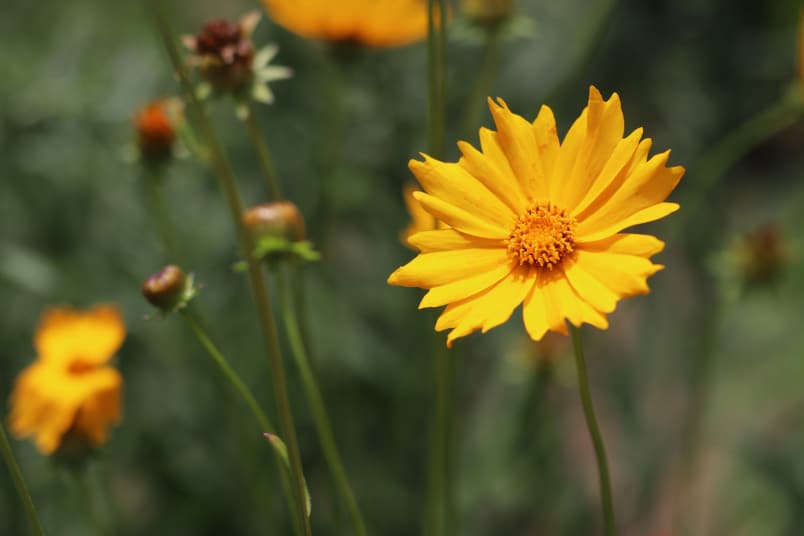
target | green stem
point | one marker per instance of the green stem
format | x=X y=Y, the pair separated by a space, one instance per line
x=263 y=153
x=594 y=431
x=19 y=483
x=731 y=148
x=436 y=74
x=161 y=216
x=436 y=524
x=316 y=401
x=439 y=495
x=483 y=84
x=225 y=176
x=245 y=393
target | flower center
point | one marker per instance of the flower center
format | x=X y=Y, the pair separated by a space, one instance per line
x=543 y=237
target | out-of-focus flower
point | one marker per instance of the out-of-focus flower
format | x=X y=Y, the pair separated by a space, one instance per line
x=169 y=289
x=536 y=222
x=70 y=396
x=156 y=125
x=226 y=60
x=488 y=13
x=374 y=23
x=420 y=219
x=278 y=231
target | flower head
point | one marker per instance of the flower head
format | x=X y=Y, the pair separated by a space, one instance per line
x=69 y=393
x=539 y=222
x=374 y=23
x=228 y=63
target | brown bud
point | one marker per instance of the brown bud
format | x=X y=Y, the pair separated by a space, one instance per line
x=166 y=288
x=764 y=255
x=487 y=12
x=155 y=132
x=280 y=219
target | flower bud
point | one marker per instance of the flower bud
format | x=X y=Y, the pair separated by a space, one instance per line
x=279 y=219
x=487 y=13
x=155 y=133
x=224 y=53
x=167 y=289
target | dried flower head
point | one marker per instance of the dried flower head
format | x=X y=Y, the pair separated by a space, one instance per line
x=228 y=63
x=375 y=23
x=539 y=222
x=70 y=394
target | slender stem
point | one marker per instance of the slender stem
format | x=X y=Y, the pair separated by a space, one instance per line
x=245 y=393
x=436 y=74
x=263 y=153
x=438 y=494
x=482 y=85
x=316 y=401
x=155 y=181
x=732 y=147
x=19 y=483
x=259 y=289
x=594 y=431
x=439 y=498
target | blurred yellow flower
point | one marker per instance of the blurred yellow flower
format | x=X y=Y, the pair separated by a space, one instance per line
x=375 y=23
x=69 y=390
x=421 y=220
x=536 y=222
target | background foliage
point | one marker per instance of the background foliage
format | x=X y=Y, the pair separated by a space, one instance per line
x=75 y=228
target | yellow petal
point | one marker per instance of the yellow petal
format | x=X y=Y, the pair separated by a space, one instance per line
x=534 y=314
x=647 y=185
x=464 y=288
x=640 y=245
x=460 y=219
x=589 y=148
x=486 y=169
x=430 y=270
x=625 y=275
x=454 y=185
x=487 y=309
x=544 y=129
x=94 y=335
x=590 y=289
x=518 y=140
x=421 y=220
x=444 y=239
x=653 y=213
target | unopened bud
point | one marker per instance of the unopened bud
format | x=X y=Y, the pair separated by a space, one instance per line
x=279 y=219
x=224 y=53
x=487 y=12
x=166 y=289
x=155 y=133
x=764 y=255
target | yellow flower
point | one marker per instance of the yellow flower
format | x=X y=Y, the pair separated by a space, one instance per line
x=536 y=222
x=69 y=390
x=375 y=23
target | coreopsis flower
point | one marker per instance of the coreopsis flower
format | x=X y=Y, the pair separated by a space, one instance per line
x=228 y=63
x=374 y=23
x=70 y=394
x=156 y=129
x=538 y=222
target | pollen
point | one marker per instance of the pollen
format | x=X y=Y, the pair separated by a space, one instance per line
x=542 y=237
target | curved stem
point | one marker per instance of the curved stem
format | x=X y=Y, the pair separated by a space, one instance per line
x=732 y=147
x=19 y=483
x=316 y=401
x=594 y=431
x=225 y=176
x=483 y=84
x=263 y=153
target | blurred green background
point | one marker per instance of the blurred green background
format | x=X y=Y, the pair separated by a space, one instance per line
x=75 y=228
